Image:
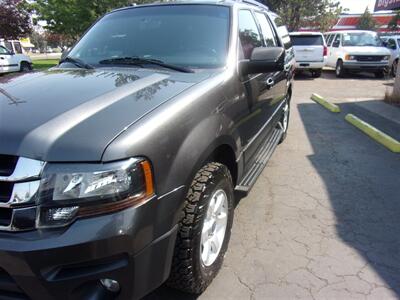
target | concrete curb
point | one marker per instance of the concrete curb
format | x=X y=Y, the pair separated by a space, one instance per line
x=374 y=133
x=329 y=106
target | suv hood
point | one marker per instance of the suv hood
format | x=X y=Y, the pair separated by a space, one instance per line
x=73 y=114
x=366 y=50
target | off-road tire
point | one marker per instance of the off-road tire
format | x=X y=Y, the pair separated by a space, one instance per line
x=188 y=273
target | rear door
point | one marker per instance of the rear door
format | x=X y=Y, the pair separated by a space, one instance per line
x=308 y=48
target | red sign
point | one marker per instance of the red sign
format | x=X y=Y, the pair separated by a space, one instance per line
x=387 y=5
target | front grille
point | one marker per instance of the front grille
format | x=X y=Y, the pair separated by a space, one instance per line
x=369 y=58
x=6 y=189
x=7 y=164
x=19 y=185
x=9 y=288
x=5 y=216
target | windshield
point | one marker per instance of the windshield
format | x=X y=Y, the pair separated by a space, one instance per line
x=194 y=36
x=361 y=39
x=307 y=40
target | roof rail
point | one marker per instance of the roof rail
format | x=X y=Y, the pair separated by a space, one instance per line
x=256 y=3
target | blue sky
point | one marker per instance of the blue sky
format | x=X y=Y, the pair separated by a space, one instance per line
x=358 y=6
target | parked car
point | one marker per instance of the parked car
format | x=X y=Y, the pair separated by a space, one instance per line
x=310 y=51
x=12 y=58
x=357 y=51
x=393 y=44
x=120 y=168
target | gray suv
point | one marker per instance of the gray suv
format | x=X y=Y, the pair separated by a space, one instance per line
x=120 y=167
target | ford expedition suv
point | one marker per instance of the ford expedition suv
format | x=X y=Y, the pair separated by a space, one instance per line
x=119 y=168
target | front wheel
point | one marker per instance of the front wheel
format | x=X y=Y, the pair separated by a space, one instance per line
x=340 y=70
x=205 y=230
x=394 y=68
x=25 y=67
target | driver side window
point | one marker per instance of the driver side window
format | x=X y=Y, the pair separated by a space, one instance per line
x=3 y=51
x=249 y=35
x=336 y=41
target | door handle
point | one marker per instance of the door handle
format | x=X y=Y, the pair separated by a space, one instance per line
x=270 y=82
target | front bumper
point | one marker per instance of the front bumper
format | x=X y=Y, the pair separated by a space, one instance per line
x=134 y=247
x=368 y=67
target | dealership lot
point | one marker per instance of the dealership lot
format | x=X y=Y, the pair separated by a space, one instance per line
x=323 y=220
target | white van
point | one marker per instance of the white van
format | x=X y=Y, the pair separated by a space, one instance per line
x=357 y=51
x=310 y=51
x=12 y=58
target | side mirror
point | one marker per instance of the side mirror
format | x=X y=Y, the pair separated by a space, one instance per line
x=336 y=44
x=264 y=60
x=65 y=53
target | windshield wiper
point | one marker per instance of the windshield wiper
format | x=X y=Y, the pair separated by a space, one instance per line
x=77 y=62
x=135 y=60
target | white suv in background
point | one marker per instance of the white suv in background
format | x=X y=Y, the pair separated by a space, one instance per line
x=12 y=58
x=357 y=51
x=310 y=51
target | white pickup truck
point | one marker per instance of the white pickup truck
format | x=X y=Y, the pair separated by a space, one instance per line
x=12 y=58
x=310 y=51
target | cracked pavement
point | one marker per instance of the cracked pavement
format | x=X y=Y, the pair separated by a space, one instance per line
x=322 y=222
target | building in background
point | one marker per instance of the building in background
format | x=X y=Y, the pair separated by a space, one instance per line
x=350 y=22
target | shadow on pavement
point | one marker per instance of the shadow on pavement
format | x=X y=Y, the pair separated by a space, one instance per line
x=362 y=179
x=166 y=293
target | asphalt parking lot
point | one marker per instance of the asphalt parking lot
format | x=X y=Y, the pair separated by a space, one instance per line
x=323 y=220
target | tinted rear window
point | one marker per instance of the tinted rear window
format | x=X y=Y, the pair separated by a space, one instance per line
x=307 y=40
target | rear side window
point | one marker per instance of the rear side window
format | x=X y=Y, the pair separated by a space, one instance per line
x=249 y=35
x=307 y=40
x=3 y=50
x=267 y=31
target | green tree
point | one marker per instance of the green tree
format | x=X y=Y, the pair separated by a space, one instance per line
x=14 y=19
x=367 y=21
x=318 y=14
x=72 y=17
x=394 y=22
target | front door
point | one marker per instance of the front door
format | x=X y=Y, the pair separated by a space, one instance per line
x=8 y=61
x=263 y=92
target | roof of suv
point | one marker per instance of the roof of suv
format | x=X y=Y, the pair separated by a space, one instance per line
x=253 y=3
x=349 y=31
x=305 y=33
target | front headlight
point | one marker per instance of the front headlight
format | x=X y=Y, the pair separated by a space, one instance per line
x=350 y=57
x=387 y=57
x=70 y=191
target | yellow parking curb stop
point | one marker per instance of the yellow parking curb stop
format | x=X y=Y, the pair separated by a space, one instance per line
x=374 y=133
x=329 y=106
